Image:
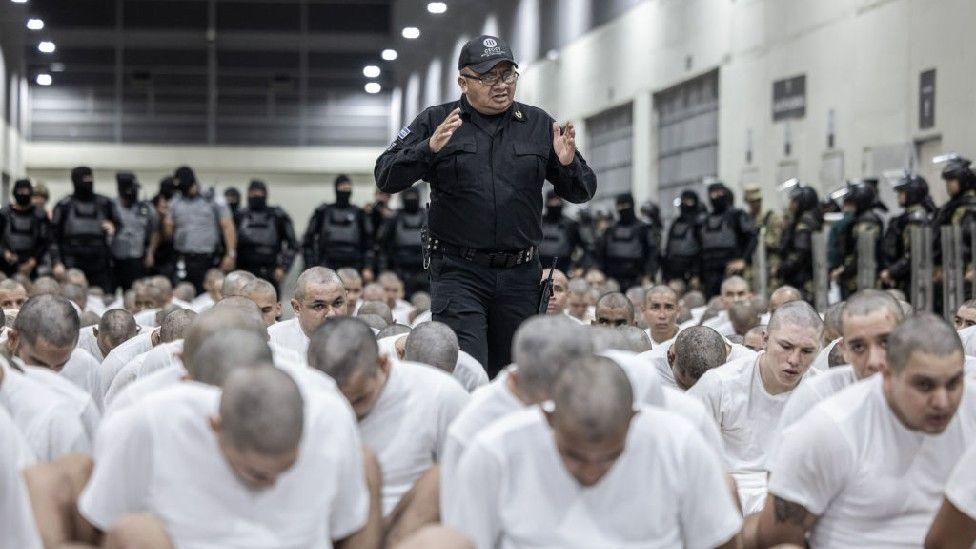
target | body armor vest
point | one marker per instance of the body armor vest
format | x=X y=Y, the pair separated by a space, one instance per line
x=555 y=241
x=718 y=234
x=258 y=234
x=21 y=231
x=624 y=243
x=339 y=232
x=682 y=241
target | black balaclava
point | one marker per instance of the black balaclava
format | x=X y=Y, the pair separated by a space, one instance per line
x=342 y=197
x=22 y=192
x=185 y=178
x=232 y=197
x=652 y=212
x=687 y=210
x=259 y=201
x=411 y=200
x=167 y=188
x=553 y=212
x=127 y=186
x=722 y=202
x=83 y=183
x=625 y=208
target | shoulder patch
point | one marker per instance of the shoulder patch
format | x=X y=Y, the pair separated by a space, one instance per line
x=403 y=133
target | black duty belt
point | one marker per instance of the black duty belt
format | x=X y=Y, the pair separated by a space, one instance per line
x=499 y=260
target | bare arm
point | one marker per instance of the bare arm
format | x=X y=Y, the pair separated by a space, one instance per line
x=951 y=529
x=781 y=521
x=370 y=536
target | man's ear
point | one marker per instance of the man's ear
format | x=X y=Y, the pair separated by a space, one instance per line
x=215 y=424
x=671 y=356
x=13 y=339
x=384 y=364
x=550 y=416
x=277 y=310
x=296 y=305
x=95 y=331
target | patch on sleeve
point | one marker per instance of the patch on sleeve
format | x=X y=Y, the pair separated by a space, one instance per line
x=403 y=133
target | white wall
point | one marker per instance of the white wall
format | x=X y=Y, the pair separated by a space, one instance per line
x=299 y=179
x=862 y=59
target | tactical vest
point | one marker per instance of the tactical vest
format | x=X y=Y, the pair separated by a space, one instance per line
x=624 y=243
x=21 y=231
x=83 y=226
x=257 y=235
x=132 y=237
x=718 y=234
x=682 y=241
x=555 y=241
x=340 y=231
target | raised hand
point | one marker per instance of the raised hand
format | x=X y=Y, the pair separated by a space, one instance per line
x=564 y=143
x=444 y=132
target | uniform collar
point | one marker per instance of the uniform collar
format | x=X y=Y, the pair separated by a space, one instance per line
x=515 y=111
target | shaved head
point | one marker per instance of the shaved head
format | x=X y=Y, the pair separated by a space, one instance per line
x=175 y=325
x=377 y=308
x=867 y=302
x=115 y=327
x=796 y=313
x=695 y=351
x=433 y=343
x=593 y=399
x=782 y=296
x=637 y=340
x=614 y=309
x=48 y=317
x=221 y=319
x=341 y=347
x=604 y=338
x=225 y=351
x=921 y=333
x=542 y=347
x=261 y=410
x=234 y=283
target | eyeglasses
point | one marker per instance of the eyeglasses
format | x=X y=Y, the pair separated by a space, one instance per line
x=509 y=77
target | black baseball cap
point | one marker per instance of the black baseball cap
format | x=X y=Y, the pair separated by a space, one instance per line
x=485 y=52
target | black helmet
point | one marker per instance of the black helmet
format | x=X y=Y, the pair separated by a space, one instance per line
x=651 y=211
x=915 y=187
x=805 y=197
x=957 y=167
x=861 y=194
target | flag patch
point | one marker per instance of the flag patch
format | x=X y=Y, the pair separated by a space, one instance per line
x=403 y=133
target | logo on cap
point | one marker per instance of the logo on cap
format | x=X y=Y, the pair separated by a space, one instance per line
x=490 y=43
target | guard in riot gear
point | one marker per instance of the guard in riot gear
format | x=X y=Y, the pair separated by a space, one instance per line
x=560 y=235
x=134 y=245
x=25 y=230
x=728 y=238
x=82 y=225
x=918 y=209
x=628 y=250
x=401 y=242
x=960 y=183
x=266 y=244
x=796 y=251
x=682 y=259
x=859 y=201
x=338 y=235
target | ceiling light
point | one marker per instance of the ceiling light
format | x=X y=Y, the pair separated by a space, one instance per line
x=19 y=1
x=57 y=67
x=373 y=87
x=46 y=47
x=389 y=55
x=43 y=80
x=35 y=24
x=371 y=71
x=410 y=33
x=436 y=7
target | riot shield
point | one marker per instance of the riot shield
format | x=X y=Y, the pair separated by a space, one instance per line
x=867 y=266
x=760 y=270
x=821 y=286
x=952 y=267
x=920 y=239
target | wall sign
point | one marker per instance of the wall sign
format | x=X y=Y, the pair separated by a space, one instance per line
x=790 y=98
x=926 y=99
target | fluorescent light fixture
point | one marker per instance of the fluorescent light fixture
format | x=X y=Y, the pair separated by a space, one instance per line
x=46 y=47
x=371 y=71
x=436 y=7
x=43 y=80
x=35 y=24
x=389 y=55
x=410 y=33
x=19 y=1
x=373 y=87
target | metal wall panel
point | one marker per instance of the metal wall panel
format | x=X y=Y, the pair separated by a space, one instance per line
x=609 y=150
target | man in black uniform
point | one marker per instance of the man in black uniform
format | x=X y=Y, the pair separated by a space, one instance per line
x=628 y=250
x=682 y=259
x=560 y=235
x=82 y=225
x=728 y=238
x=860 y=201
x=486 y=158
x=134 y=245
x=232 y=197
x=796 y=247
x=401 y=242
x=960 y=183
x=25 y=230
x=164 y=260
x=338 y=235
x=917 y=211
x=266 y=244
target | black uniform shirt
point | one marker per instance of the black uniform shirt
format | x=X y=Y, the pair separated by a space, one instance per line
x=487 y=180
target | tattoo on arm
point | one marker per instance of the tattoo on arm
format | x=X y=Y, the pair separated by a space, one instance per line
x=788 y=512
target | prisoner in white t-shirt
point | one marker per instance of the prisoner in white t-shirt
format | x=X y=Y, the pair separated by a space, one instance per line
x=248 y=467
x=319 y=295
x=746 y=397
x=17 y=529
x=695 y=351
x=589 y=471
x=867 y=466
x=955 y=523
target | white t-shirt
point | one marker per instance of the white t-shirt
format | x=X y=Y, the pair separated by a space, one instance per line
x=578 y=320
x=748 y=418
x=17 y=528
x=123 y=379
x=202 y=302
x=662 y=368
x=813 y=391
x=873 y=482
x=469 y=372
x=425 y=316
x=407 y=428
x=968 y=338
x=289 y=334
x=118 y=358
x=666 y=343
x=387 y=346
x=721 y=324
x=49 y=422
x=84 y=371
x=822 y=362
x=161 y=456
x=643 y=380
x=88 y=342
x=146 y=318
x=517 y=492
x=81 y=402
x=961 y=487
